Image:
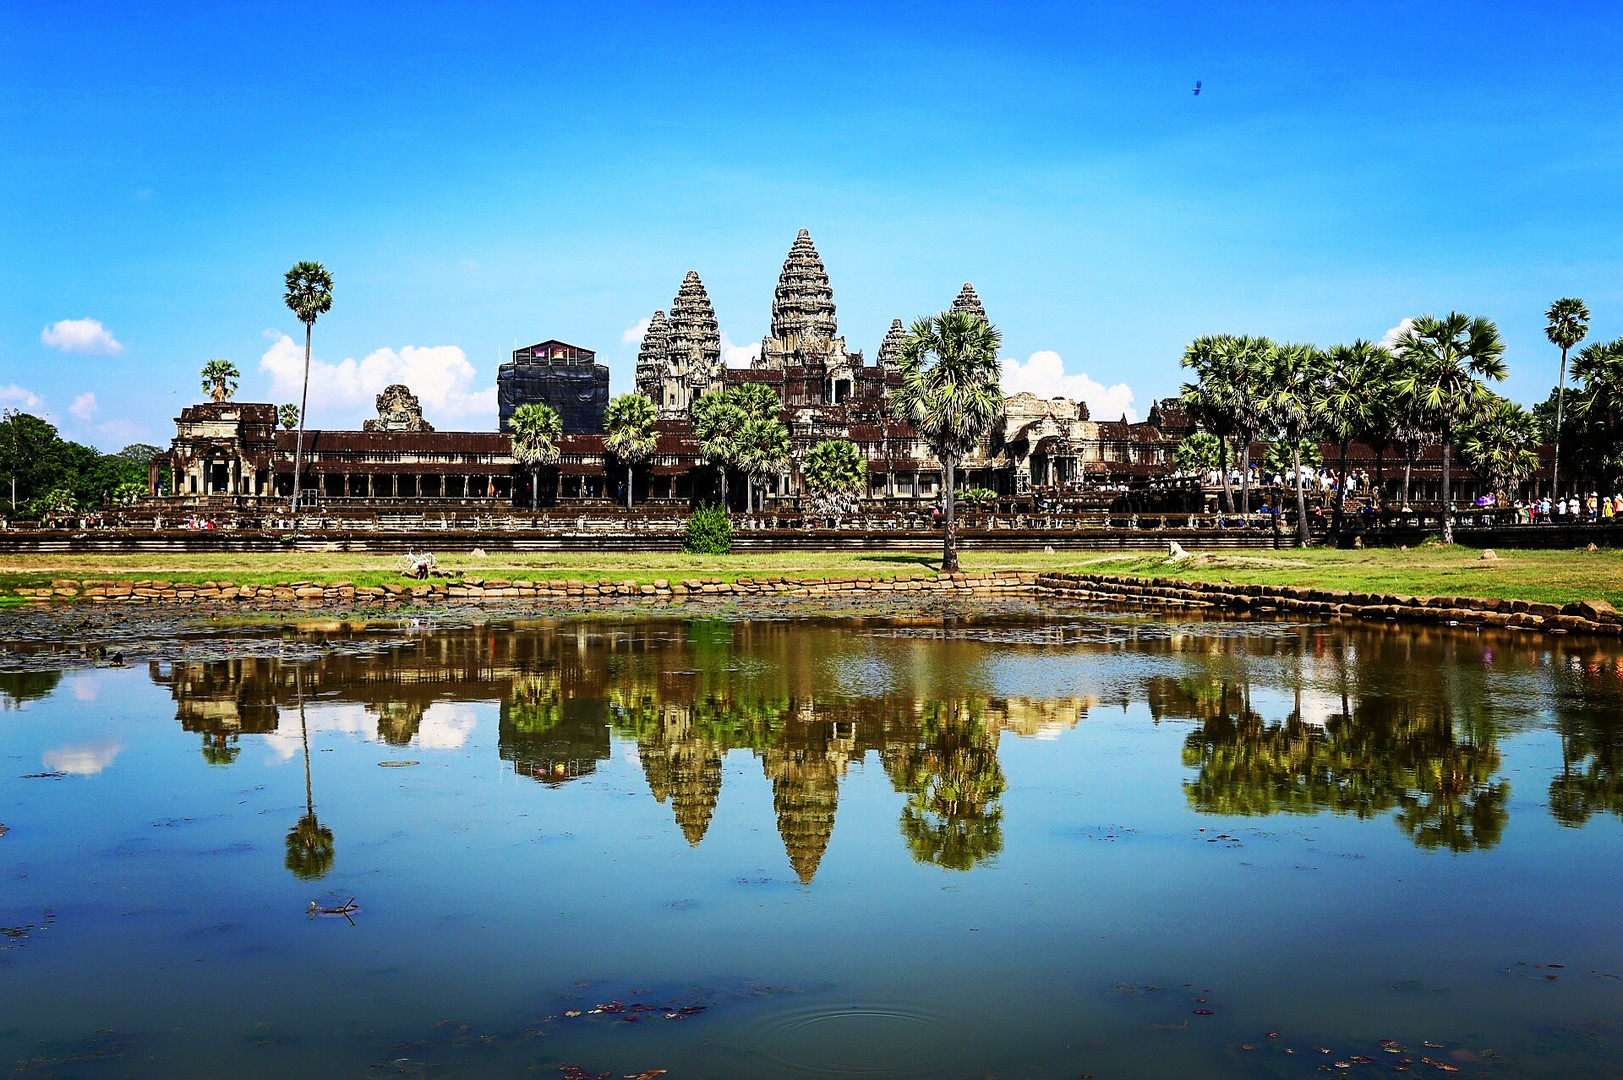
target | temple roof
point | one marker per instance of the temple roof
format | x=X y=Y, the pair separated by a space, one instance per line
x=803 y=305
x=891 y=348
x=969 y=301
x=695 y=336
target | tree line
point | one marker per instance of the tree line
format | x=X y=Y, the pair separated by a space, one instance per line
x=47 y=477
x=1429 y=388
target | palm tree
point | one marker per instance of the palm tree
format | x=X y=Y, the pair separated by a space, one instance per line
x=1348 y=405
x=1600 y=405
x=1501 y=445
x=951 y=395
x=835 y=474
x=1568 y=325
x=220 y=379
x=1295 y=378
x=536 y=428
x=717 y=420
x=1447 y=358
x=309 y=295
x=630 y=424
x=288 y=416
x=762 y=446
x=1208 y=400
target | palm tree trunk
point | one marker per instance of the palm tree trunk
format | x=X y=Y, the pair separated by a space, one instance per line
x=304 y=400
x=1245 y=476
x=1448 y=518
x=1380 y=477
x=722 y=468
x=1560 y=392
x=304 y=734
x=628 y=485
x=1341 y=495
x=1223 y=472
x=1301 y=493
x=1408 y=466
x=949 y=536
x=535 y=489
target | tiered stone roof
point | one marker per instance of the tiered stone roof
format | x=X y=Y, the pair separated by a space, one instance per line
x=968 y=301
x=890 y=350
x=653 y=357
x=803 y=305
x=695 y=336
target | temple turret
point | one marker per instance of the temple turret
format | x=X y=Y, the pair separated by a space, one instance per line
x=968 y=301
x=652 y=359
x=803 y=305
x=890 y=350
x=693 y=362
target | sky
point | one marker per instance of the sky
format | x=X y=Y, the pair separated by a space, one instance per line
x=485 y=175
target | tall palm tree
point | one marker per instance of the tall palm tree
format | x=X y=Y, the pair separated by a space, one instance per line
x=536 y=428
x=1208 y=400
x=1295 y=384
x=1348 y=405
x=951 y=395
x=717 y=420
x=1448 y=358
x=1599 y=367
x=762 y=446
x=309 y=295
x=1246 y=363
x=1568 y=325
x=287 y=415
x=630 y=423
x=220 y=379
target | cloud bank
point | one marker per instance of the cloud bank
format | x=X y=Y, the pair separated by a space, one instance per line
x=1043 y=374
x=342 y=394
x=85 y=336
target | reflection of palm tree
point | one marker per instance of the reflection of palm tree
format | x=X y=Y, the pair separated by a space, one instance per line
x=953 y=781
x=309 y=843
x=220 y=748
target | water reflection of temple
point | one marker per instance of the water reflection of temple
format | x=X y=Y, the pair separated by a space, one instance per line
x=1307 y=720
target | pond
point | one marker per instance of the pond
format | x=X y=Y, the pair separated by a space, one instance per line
x=998 y=841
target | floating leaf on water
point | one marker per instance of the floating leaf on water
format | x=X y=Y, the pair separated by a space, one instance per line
x=1434 y=1046
x=572 y=1013
x=397 y=764
x=1386 y=1042
x=649 y=1075
x=689 y=1010
x=1360 y=1059
x=1203 y=1012
x=1552 y=978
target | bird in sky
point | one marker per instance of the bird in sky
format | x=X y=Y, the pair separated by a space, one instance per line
x=1197 y=87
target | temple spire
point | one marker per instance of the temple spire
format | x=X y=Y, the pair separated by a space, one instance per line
x=890 y=350
x=803 y=305
x=968 y=301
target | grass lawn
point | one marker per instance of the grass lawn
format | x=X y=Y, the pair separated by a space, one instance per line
x=1549 y=576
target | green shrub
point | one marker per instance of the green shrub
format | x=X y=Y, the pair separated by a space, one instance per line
x=709 y=531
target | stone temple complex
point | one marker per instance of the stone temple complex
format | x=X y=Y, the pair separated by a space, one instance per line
x=231 y=453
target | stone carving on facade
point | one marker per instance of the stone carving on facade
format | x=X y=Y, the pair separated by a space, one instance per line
x=804 y=330
x=398 y=410
x=693 y=349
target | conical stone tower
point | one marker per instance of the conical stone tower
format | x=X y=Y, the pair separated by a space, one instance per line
x=693 y=363
x=968 y=301
x=652 y=358
x=803 y=305
x=805 y=794
x=890 y=350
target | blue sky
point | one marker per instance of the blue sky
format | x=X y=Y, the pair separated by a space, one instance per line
x=494 y=173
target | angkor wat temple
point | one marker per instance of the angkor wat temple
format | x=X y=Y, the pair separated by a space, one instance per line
x=230 y=453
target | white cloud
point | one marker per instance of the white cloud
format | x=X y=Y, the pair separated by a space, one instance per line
x=342 y=393
x=446 y=726
x=83 y=759
x=1043 y=374
x=739 y=356
x=81 y=336
x=1390 y=338
x=18 y=395
x=632 y=335
x=84 y=406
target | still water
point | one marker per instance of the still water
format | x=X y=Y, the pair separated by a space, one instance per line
x=1011 y=844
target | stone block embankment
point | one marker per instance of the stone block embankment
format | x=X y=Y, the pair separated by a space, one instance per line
x=1585 y=616
x=478 y=590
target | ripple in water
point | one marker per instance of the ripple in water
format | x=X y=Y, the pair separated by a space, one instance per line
x=850 y=1040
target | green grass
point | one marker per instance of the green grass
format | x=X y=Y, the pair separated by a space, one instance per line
x=1548 y=576
x=1553 y=577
